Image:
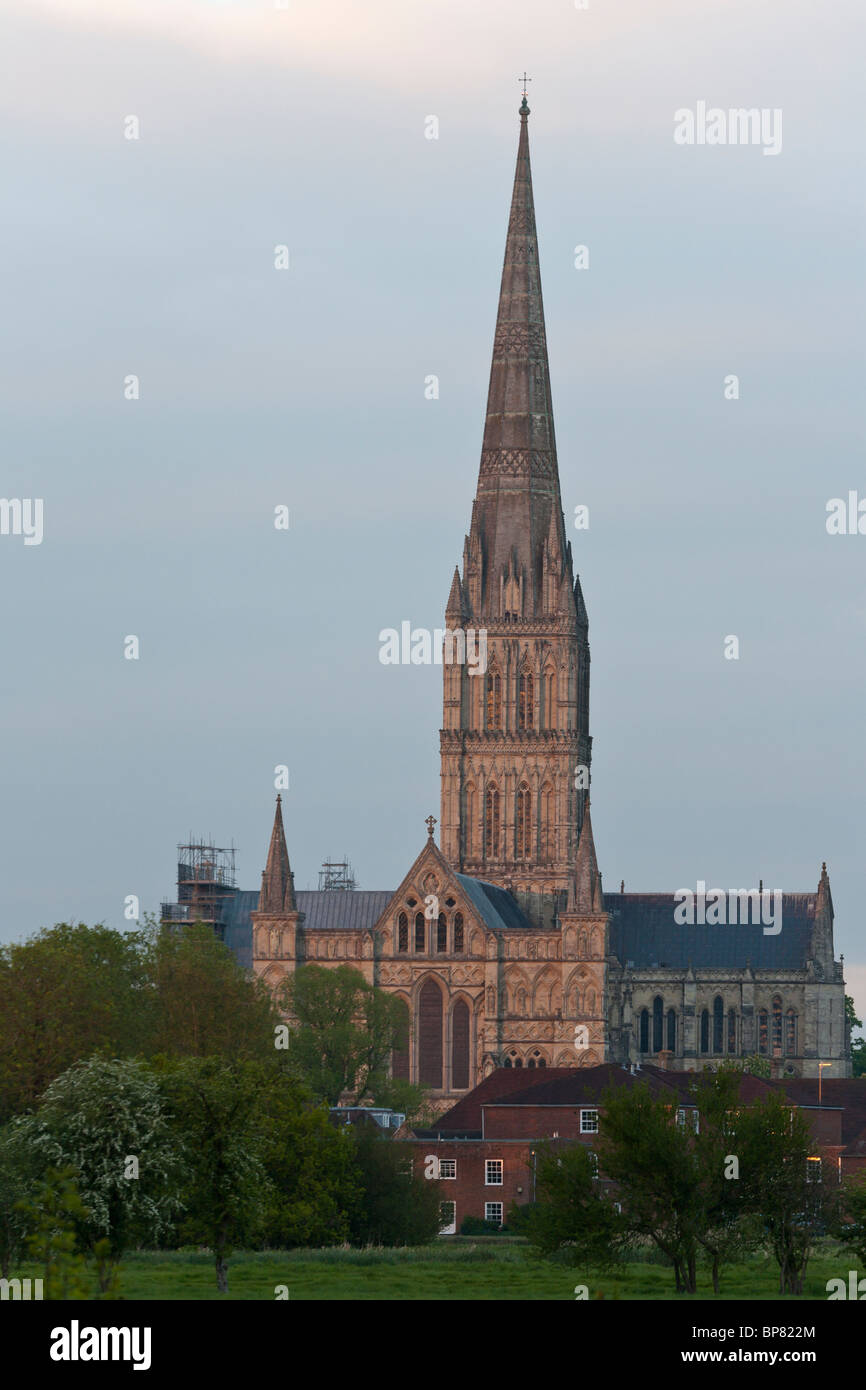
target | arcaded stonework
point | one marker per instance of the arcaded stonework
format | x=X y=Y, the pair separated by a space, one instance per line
x=502 y=945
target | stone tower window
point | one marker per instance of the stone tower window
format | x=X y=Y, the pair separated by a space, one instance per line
x=526 y=701
x=524 y=822
x=494 y=700
x=791 y=1033
x=491 y=822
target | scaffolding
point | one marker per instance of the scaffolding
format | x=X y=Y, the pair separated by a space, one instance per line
x=336 y=876
x=205 y=879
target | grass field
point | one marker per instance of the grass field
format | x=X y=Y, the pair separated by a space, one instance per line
x=466 y=1269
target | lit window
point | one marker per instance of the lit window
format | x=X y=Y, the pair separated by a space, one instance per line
x=813 y=1170
x=589 y=1122
x=493 y=1172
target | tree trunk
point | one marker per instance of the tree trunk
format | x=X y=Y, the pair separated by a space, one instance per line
x=222 y=1272
x=691 y=1278
x=715 y=1274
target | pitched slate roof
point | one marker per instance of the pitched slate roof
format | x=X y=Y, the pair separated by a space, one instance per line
x=849 y=1093
x=355 y=910
x=496 y=906
x=643 y=933
x=464 y=1118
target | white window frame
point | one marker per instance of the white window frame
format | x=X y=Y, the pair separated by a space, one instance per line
x=448 y=1177
x=449 y=1227
x=498 y=1219
x=589 y=1122
x=493 y=1165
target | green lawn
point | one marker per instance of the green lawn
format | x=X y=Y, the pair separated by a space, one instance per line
x=464 y=1269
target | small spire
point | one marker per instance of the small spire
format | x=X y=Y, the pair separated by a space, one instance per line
x=587 y=879
x=278 y=884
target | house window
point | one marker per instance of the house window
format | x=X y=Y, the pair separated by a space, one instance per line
x=441 y=934
x=813 y=1170
x=589 y=1122
x=689 y=1119
x=593 y=1159
x=402 y=932
x=458 y=932
x=493 y=1172
x=420 y=931
x=448 y=1167
x=493 y=1212
x=447 y=1218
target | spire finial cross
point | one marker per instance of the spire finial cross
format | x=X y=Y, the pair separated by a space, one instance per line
x=430 y=822
x=524 y=79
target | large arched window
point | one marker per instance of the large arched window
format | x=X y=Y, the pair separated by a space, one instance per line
x=705 y=1031
x=402 y=932
x=458 y=932
x=491 y=822
x=494 y=699
x=763 y=1033
x=718 y=1024
x=671 y=1040
x=790 y=1034
x=658 y=1014
x=644 y=1030
x=430 y=1035
x=524 y=822
x=732 y=1031
x=400 y=1055
x=548 y=828
x=526 y=700
x=777 y=1026
x=420 y=932
x=460 y=1046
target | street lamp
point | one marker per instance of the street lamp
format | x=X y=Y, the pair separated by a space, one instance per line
x=821 y=1066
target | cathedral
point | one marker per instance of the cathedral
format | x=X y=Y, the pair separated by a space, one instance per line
x=499 y=942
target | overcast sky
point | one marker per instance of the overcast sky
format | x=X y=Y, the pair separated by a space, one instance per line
x=305 y=127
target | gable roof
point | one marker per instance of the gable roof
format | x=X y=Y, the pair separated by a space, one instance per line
x=643 y=934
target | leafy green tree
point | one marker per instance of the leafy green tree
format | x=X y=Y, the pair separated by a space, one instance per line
x=858 y=1045
x=104 y=1120
x=396 y=1208
x=315 y=1188
x=720 y=1230
x=790 y=1199
x=51 y=1216
x=204 y=1004
x=18 y=1173
x=346 y=1031
x=574 y=1217
x=68 y=992
x=852 y=1224
x=215 y=1107
x=652 y=1160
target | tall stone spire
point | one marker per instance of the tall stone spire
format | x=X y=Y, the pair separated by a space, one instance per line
x=587 y=893
x=518 y=500
x=278 y=885
x=516 y=733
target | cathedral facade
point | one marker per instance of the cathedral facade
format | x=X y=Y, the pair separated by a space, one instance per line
x=500 y=942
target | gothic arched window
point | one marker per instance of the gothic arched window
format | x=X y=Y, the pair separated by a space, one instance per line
x=525 y=701
x=644 y=1030
x=732 y=1031
x=671 y=1040
x=402 y=932
x=491 y=822
x=549 y=687
x=494 y=700
x=763 y=1035
x=790 y=1033
x=548 y=829
x=524 y=822
x=458 y=931
x=705 y=1031
x=777 y=1027
x=430 y=1035
x=718 y=1024
x=469 y=824
x=441 y=934
x=657 y=1023
x=420 y=932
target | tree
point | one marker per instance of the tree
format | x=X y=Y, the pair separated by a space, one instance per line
x=785 y=1187
x=70 y=991
x=17 y=1175
x=346 y=1031
x=720 y=1230
x=852 y=1228
x=51 y=1217
x=396 y=1208
x=215 y=1105
x=205 y=1004
x=858 y=1045
x=652 y=1159
x=104 y=1120
x=573 y=1217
